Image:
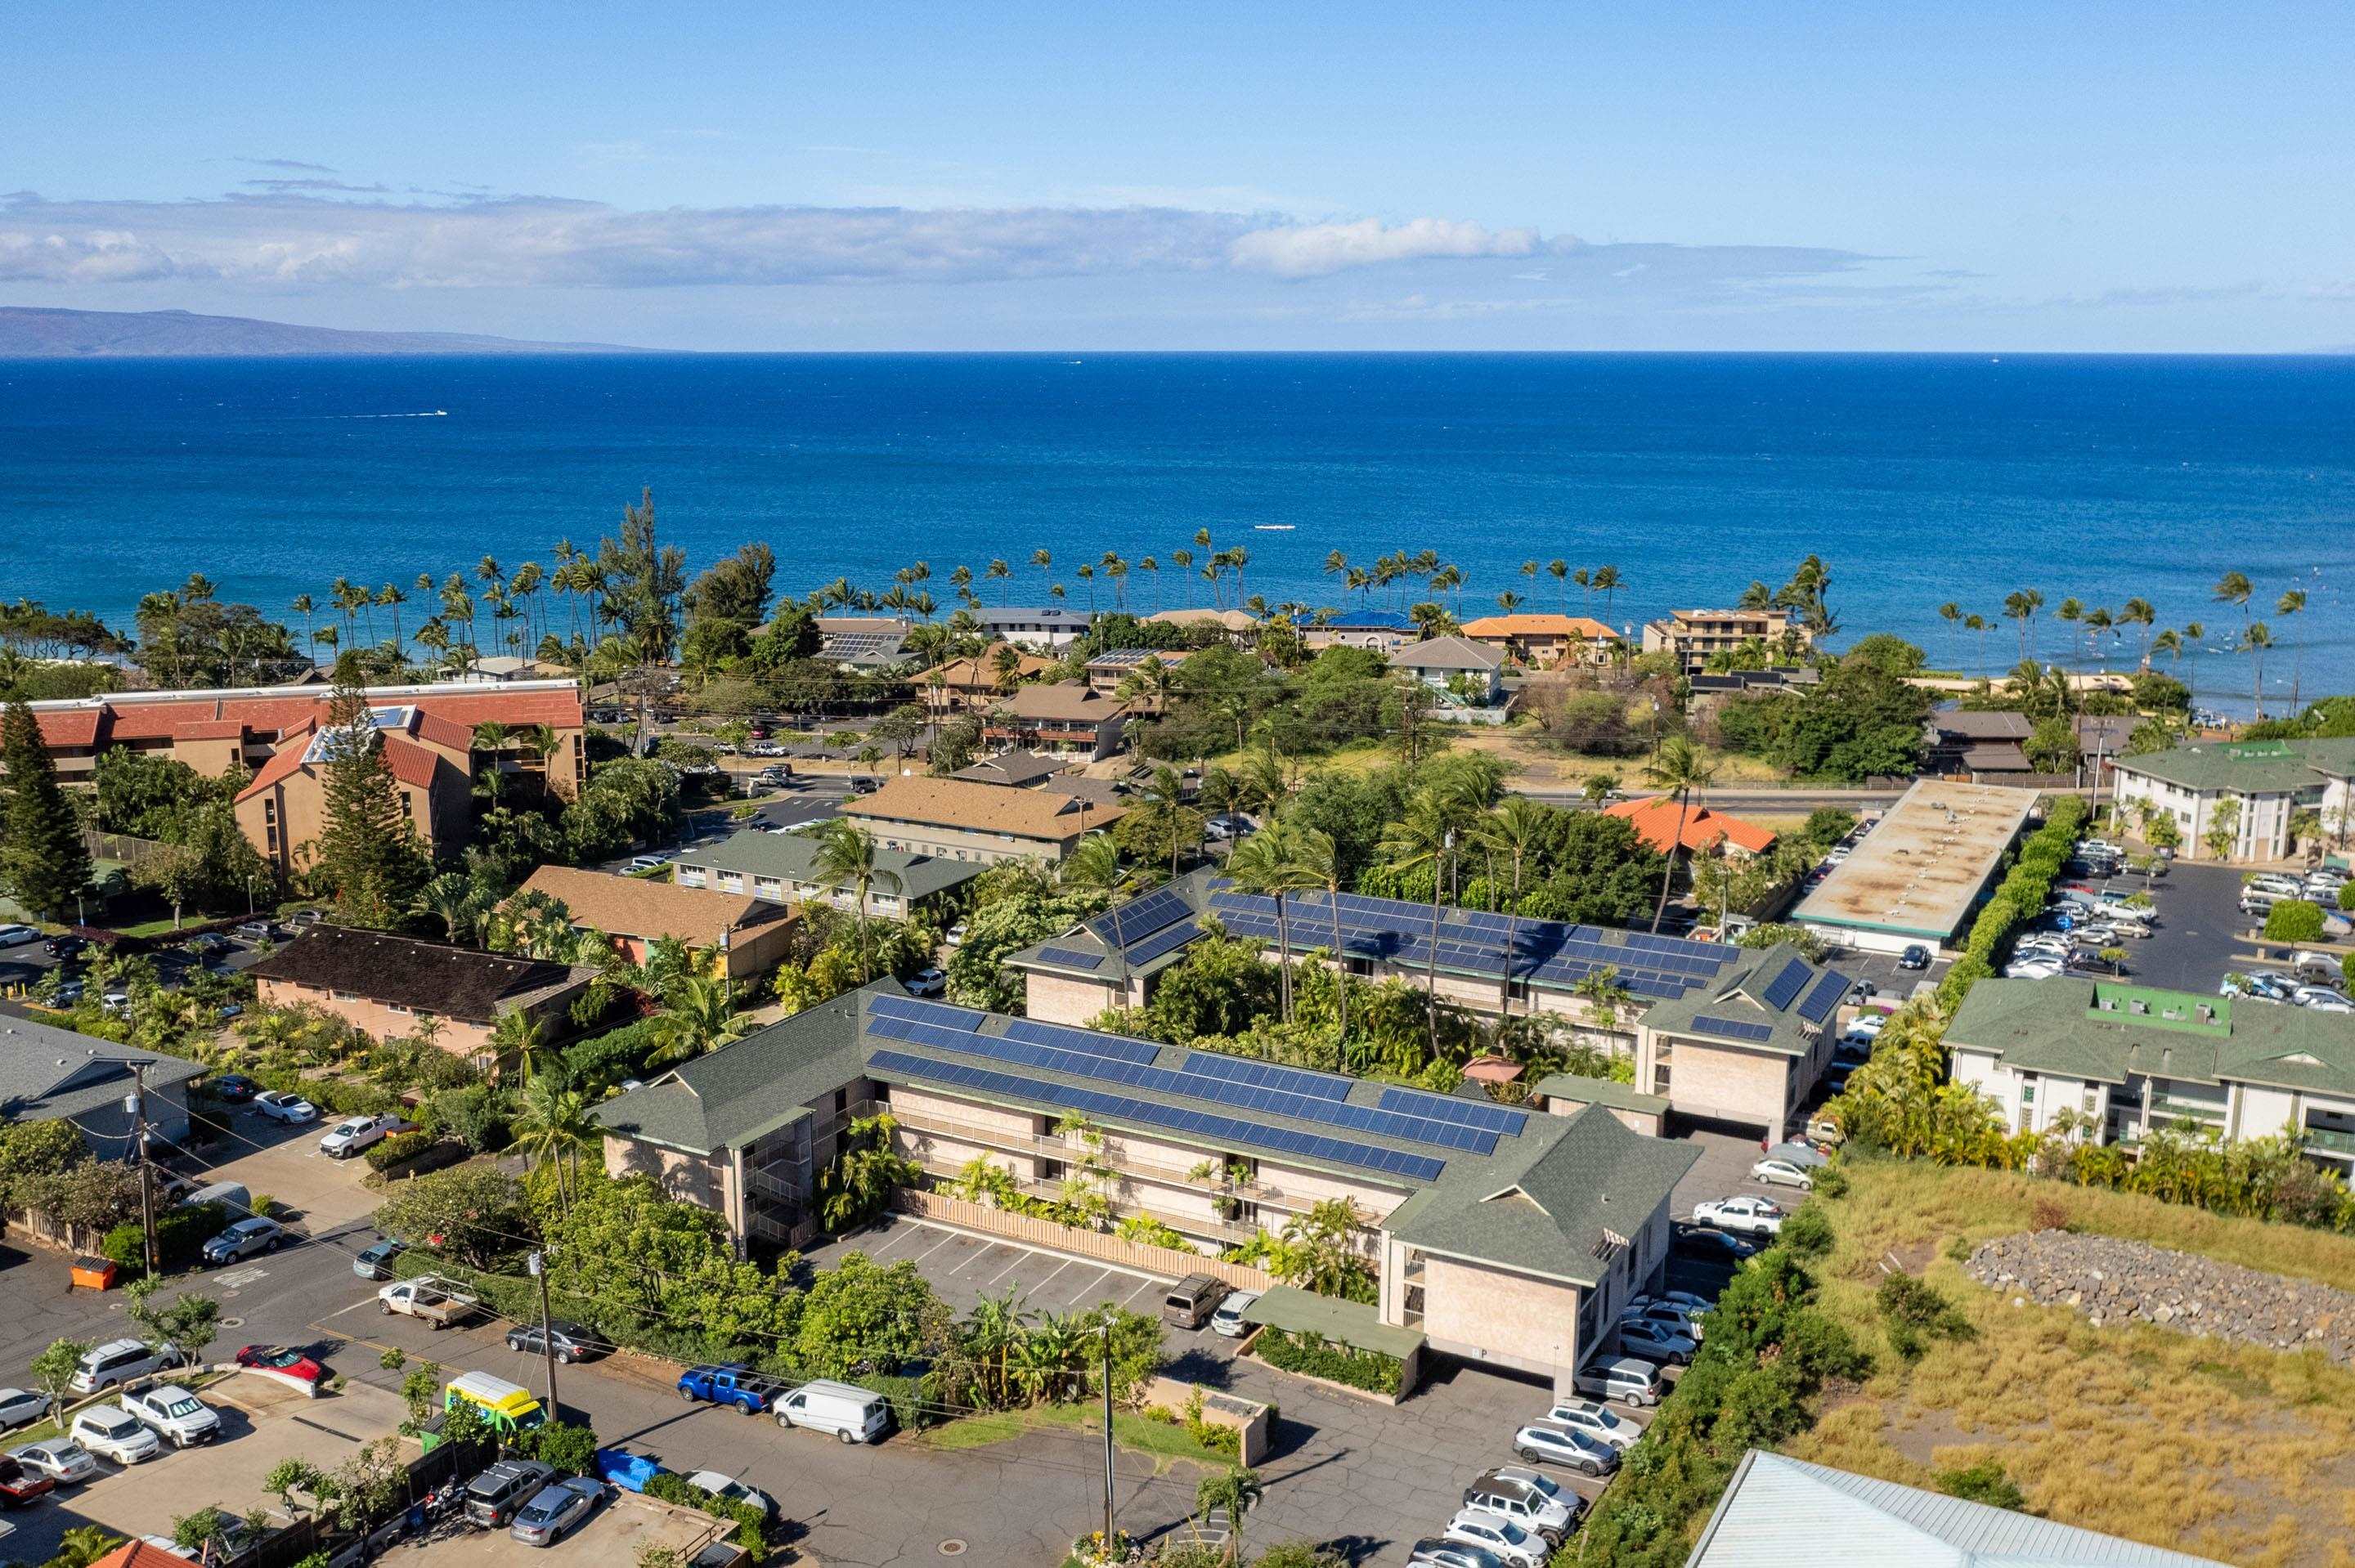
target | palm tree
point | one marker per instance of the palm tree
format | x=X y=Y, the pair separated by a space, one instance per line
x=302 y=606
x=1320 y=860
x=2256 y=640
x=1165 y=794
x=2292 y=603
x=1607 y=581
x=552 y=1128
x=847 y=858
x=1510 y=601
x=1094 y=862
x=1268 y=863
x=1679 y=768
x=1516 y=830
x=698 y=1014
x=457 y=901
x=1425 y=837
x=2235 y=588
x=1559 y=570
x=524 y=1037
x=2139 y=612
x=1238 y=1491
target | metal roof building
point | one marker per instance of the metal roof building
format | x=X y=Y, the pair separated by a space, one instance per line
x=1920 y=873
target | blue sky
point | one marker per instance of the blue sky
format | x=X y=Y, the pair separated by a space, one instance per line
x=2016 y=176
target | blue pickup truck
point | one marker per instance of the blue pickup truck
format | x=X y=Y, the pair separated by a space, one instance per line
x=734 y=1383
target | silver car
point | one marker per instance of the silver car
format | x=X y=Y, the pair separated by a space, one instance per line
x=1594 y=1422
x=543 y=1520
x=1541 y=1443
x=61 y=1461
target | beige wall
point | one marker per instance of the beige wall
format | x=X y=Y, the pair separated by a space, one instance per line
x=1057 y=998
x=689 y=1178
x=458 y=1036
x=1493 y=1315
x=295 y=808
x=966 y=844
x=1723 y=1083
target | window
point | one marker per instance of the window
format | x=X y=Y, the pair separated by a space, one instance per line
x=395 y=1007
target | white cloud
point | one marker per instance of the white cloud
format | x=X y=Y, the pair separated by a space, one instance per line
x=1320 y=249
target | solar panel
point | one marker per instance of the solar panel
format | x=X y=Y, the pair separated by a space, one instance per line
x=1266 y=1076
x=1229 y=1131
x=1086 y=1041
x=1787 y=984
x=1069 y=957
x=1824 y=998
x=933 y=1013
x=1168 y=941
x=1481 y=1114
x=1733 y=1028
x=1140 y=918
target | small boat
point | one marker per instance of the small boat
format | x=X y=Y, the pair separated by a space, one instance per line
x=1273 y=527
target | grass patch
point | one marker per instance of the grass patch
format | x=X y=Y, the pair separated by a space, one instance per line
x=1164 y=1442
x=2204 y=1445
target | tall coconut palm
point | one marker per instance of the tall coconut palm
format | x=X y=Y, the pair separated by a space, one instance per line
x=2140 y=612
x=457 y=901
x=1607 y=581
x=1514 y=832
x=1320 y=860
x=1424 y=838
x=698 y=1014
x=303 y=606
x=1559 y=570
x=2292 y=603
x=1679 y=768
x=1094 y=862
x=2255 y=640
x=847 y=857
x=553 y=1129
x=2235 y=588
x=1269 y=863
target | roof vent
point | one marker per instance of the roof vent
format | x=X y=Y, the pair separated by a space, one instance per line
x=2139 y=1006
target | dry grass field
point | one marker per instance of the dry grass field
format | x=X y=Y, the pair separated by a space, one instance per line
x=2227 y=1451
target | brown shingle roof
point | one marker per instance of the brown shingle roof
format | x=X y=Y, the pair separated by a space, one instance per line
x=1537 y=626
x=465 y=983
x=1065 y=701
x=980 y=808
x=634 y=906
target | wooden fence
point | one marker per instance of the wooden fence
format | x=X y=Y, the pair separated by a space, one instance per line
x=1170 y=1262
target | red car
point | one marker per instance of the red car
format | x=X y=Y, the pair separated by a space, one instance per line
x=292 y=1366
x=19 y=1485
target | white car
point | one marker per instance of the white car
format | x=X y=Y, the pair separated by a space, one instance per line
x=2321 y=997
x=1740 y=1217
x=1227 y=1322
x=20 y=1408
x=1541 y=1443
x=113 y=1432
x=357 y=1134
x=1505 y=1541
x=928 y=981
x=174 y=1413
x=285 y=1108
x=1781 y=1173
x=63 y=1462
x=1595 y=1423
x=721 y=1485
x=1665 y=1315
x=2034 y=968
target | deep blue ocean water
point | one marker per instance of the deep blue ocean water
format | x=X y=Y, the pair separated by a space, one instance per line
x=1919 y=479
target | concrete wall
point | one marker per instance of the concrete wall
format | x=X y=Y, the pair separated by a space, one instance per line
x=971 y=845
x=689 y=1178
x=1494 y=1315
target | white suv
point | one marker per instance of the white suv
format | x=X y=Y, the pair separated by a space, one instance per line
x=174 y=1413
x=120 y=1360
x=1742 y=1216
x=113 y=1432
x=357 y=1134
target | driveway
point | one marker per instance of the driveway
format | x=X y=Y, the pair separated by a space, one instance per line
x=965 y=1268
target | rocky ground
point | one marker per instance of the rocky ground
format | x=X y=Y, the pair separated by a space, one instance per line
x=2115 y=1281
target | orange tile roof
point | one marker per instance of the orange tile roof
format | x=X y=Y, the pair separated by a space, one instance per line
x=77 y=729
x=443 y=730
x=139 y=1555
x=410 y=763
x=287 y=762
x=201 y=715
x=634 y=906
x=974 y=807
x=1539 y=625
x=1654 y=820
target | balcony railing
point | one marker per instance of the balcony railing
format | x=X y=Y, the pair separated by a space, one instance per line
x=2167 y=1106
x=1113 y=1154
x=2330 y=1140
x=1052 y=1191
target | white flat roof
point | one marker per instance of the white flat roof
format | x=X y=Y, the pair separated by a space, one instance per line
x=1924 y=865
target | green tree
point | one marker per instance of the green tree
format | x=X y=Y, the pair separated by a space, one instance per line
x=553 y=1128
x=862 y=1313
x=367 y=851
x=53 y=1370
x=847 y=857
x=43 y=863
x=1238 y=1491
x=1268 y=863
x=477 y=1212
x=1679 y=768
x=868 y=1166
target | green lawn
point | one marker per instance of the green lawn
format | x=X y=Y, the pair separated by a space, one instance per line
x=1164 y=1442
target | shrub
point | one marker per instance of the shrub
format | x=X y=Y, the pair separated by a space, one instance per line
x=180 y=1237
x=1315 y=1357
x=1914 y=1312
x=570 y=1449
x=1808 y=1232
x=751 y=1525
x=1983 y=1482
x=2047 y=1213
x=2294 y=920
x=401 y=1146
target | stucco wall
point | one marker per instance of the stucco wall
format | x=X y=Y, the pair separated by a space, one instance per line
x=457 y=1036
x=1055 y=999
x=1531 y=1324
x=1754 y=1087
x=684 y=1177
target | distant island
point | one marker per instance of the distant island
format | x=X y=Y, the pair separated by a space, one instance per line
x=30 y=333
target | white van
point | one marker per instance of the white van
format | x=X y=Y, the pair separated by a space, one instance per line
x=1623 y=1378
x=852 y=1413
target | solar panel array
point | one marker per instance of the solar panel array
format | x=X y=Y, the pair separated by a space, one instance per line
x=862 y=645
x=1168 y=939
x=1821 y=1001
x=1447 y=1107
x=1787 y=985
x=1084 y=1053
x=1733 y=1028
x=1393 y=932
x=1243 y=1070
x=1142 y=917
x=1070 y=958
x=1201 y=1125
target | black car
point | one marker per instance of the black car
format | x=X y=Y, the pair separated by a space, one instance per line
x=1917 y=957
x=66 y=949
x=235 y=1088
x=573 y=1342
x=1700 y=1241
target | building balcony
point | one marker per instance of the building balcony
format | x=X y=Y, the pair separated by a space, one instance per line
x=1113 y=1155
x=2327 y=1140
x=1223 y=1231
x=2167 y=1108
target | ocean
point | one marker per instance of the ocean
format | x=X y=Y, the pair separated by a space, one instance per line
x=1919 y=480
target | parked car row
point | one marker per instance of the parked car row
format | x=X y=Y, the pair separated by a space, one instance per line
x=131 y=1429
x=843 y=1411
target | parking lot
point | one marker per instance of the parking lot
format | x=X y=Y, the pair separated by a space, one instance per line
x=613 y=1537
x=262 y=1423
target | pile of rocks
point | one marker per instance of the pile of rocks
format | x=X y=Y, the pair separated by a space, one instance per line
x=2114 y=1281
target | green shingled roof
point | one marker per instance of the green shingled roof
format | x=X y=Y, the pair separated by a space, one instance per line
x=1739 y=997
x=2257 y=767
x=1354 y=1323
x=2062 y=1027
x=753 y=851
x=748 y=1089
x=1542 y=1205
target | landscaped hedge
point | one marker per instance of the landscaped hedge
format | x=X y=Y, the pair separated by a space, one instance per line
x=751 y=1524
x=1315 y=1357
x=2018 y=899
x=334 y=1097
x=180 y=1237
x=400 y=1147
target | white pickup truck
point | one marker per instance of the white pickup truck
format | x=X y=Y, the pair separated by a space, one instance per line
x=438 y=1302
x=358 y=1134
x=172 y=1414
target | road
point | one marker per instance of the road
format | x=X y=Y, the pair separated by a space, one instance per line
x=1796 y=799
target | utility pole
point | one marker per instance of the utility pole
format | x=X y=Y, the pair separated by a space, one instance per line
x=537 y=1265
x=139 y=1142
x=1107 y=1434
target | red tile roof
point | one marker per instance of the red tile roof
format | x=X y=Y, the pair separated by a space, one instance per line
x=279 y=767
x=410 y=763
x=443 y=730
x=76 y=728
x=1654 y=820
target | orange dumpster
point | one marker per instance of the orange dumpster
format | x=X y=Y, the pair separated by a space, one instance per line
x=95 y=1273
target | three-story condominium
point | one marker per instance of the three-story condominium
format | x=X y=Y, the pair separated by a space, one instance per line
x=1498 y=1233
x=1720 y=1032
x=2120 y=1060
x=960 y=818
x=1694 y=636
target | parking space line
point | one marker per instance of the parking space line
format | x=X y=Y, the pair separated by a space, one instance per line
x=1020 y=1257
x=1057 y=1269
x=1101 y=1275
x=1137 y=1292
x=946 y=1237
x=986 y=1254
